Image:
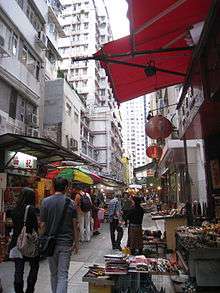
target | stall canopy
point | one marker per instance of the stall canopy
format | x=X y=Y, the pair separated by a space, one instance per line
x=42 y=148
x=159 y=49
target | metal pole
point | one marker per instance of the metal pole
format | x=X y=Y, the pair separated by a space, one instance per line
x=188 y=195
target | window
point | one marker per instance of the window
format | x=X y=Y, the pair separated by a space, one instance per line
x=13 y=104
x=24 y=55
x=14 y=44
x=86 y=25
x=84 y=70
x=20 y=3
x=76 y=116
x=68 y=109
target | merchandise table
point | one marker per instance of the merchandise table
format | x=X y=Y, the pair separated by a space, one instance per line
x=198 y=249
x=138 y=277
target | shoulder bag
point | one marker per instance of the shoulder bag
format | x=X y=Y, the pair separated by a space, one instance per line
x=27 y=243
x=47 y=243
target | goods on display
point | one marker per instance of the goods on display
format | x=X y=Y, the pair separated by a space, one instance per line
x=169 y=213
x=152 y=265
x=198 y=237
x=96 y=271
x=116 y=264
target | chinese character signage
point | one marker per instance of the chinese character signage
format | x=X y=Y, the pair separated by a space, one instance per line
x=20 y=161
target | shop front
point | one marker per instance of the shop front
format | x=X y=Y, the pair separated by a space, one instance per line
x=23 y=163
x=199 y=106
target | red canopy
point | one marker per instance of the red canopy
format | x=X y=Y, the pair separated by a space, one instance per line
x=155 y=25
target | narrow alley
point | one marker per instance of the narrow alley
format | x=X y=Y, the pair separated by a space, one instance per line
x=90 y=253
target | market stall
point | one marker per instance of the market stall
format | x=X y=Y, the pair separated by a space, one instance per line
x=173 y=218
x=122 y=272
x=23 y=162
x=198 y=250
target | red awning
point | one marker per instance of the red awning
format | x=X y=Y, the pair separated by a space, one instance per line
x=161 y=26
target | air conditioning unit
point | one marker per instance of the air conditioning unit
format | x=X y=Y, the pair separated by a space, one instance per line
x=31 y=119
x=41 y=40
x=73 y=144
x=32 y=132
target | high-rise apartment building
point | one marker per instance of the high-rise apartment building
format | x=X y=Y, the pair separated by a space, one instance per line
x=86 y=25
x=133 y=128
x=22 y=50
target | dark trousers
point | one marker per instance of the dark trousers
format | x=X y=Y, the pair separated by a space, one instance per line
x=19 y=274
x=114 y=226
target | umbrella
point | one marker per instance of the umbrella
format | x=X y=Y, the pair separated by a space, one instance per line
x=95 y=177
x=76 y=175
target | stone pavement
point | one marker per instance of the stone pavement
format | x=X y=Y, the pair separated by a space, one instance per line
x=90 y=253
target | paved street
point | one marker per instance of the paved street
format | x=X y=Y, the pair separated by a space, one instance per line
x=90 y=253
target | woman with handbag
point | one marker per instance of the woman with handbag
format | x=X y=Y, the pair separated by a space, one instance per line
x=25 y=208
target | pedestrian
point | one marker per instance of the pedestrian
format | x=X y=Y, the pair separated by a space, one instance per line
x=26 y=198
x=135 y=234
x=126 y=205
x=55 y=209
x=95 y=210
x=84 y=207
x=114 y=213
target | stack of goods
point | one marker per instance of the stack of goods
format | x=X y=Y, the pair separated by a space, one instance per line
x=199 y=237
x=116 y=264
x=152 y=265
x=96 y=271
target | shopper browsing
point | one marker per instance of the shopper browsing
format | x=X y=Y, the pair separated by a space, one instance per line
x=58 y=216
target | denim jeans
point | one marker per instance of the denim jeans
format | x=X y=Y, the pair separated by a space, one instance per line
x=114 y=226
x=59 y=266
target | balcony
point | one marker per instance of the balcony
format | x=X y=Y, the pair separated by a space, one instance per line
x=20 y=77
x=15 y=13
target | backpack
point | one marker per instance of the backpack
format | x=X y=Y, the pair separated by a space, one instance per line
x=27 y=243
x=85 y=203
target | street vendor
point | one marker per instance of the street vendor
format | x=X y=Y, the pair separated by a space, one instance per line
x=135 y=235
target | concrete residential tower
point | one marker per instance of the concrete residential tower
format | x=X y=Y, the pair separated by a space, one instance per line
x=86 y=25
x=134 y=136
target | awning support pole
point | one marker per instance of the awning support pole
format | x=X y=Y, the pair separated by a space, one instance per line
x=188 y=195
x=135 y=53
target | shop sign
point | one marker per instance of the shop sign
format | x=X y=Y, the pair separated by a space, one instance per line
x=20 y=161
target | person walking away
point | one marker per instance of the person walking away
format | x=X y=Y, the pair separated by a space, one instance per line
x=27 y=198
x=52 y=209
x=114 y=212
x=126 y=205
x=84 y=206
x=95 y=210
x=135 y=234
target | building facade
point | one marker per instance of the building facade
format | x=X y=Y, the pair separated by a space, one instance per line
x=22 y=51
x=134 y=137
x=86 y=25
x=172 y=164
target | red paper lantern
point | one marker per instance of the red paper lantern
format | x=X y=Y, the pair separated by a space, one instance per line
x=158 y=127
x=154 y=152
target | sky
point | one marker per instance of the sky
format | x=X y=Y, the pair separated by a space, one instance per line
x=118 y=17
